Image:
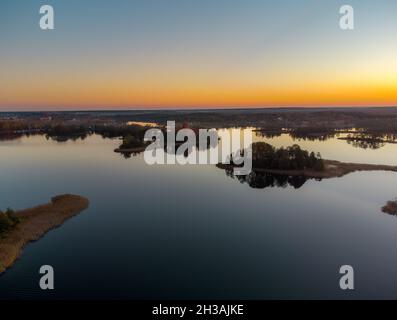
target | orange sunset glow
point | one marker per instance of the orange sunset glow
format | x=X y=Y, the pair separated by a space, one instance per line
x=179 y=62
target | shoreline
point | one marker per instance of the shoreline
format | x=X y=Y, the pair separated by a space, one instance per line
x=332 y=169
x=36 y=222
x=130 y=150
x=369 y=140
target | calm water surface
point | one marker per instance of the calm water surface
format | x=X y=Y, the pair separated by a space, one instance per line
x=193 y=232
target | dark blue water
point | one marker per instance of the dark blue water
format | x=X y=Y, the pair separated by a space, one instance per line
x=166 y=232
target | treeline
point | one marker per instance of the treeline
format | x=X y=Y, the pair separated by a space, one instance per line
x=266 y=156
x=130 y=141
x=10 y=126
x=60 y=130
x=114 y=131
x=70 y=131
x=8 y=221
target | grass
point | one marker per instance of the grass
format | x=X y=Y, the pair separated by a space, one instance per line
x=35 y=222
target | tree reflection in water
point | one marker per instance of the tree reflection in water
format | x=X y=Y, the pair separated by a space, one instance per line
x=258 y=180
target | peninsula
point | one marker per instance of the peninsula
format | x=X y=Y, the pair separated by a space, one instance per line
x=332 y=169
x=33 y=223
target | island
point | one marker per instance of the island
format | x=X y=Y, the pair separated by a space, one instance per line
x=131 y=144
x=332 y=169
x=20 y=228
x=390 y=208
x=293 y=161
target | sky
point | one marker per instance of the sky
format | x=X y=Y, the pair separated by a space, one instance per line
x=132 y=54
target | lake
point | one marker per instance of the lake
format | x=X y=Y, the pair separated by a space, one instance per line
x=193 y=232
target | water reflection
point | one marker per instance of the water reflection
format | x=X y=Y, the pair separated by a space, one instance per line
x=216 y=239
x=369 y=141
x=258 y=180
x=128 y=155
x=66 y=138
x=10 y=136
x=358 y=138
x=309 y=134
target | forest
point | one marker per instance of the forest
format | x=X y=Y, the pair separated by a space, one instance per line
x=266 y=156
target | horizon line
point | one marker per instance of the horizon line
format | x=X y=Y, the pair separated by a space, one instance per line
x=159 y=109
